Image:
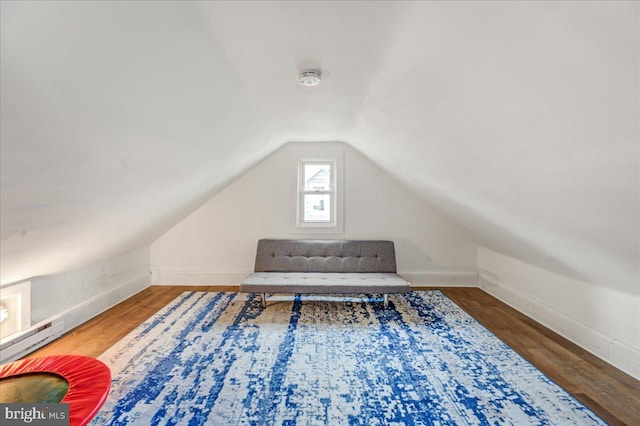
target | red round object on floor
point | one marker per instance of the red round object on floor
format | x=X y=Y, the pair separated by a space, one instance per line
x=89 y=381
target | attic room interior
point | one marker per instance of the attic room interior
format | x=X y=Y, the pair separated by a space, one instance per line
x=485 y=154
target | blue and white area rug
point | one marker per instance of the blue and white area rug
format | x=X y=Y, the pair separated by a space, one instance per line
x=220 y=359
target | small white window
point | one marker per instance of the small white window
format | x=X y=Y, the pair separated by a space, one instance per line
x=317 y=193
x=15 y=308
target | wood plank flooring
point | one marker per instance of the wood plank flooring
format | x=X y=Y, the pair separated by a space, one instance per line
x=612 y=394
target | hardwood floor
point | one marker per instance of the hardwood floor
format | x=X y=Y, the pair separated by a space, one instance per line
x=607 y=391
x=612 y=394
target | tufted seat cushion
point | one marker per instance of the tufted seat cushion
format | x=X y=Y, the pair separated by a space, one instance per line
x=324 y=282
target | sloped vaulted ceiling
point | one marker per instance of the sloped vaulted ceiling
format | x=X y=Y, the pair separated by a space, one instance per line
x=520 y=120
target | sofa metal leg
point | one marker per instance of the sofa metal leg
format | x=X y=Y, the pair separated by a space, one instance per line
x=263 y=299
x=386 y=300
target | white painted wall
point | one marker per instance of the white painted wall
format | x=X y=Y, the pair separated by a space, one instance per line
x=602 y=320
x=83 y=293
x=216 y=244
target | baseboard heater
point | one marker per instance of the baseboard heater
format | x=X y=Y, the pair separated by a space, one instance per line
x=21 y=343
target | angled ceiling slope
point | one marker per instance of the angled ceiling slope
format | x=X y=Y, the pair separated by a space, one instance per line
x=518 y=119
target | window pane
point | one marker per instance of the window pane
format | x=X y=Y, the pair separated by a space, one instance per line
x=317 y=177
x=317 y=208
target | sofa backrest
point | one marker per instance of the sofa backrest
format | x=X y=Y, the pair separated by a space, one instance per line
x=325 y=256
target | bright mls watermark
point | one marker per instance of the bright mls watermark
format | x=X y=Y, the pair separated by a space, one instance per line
x=49 y=414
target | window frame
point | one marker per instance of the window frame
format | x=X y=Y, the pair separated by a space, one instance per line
x=334 y=192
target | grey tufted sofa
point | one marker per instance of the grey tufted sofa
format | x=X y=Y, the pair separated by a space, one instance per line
x=325 y=267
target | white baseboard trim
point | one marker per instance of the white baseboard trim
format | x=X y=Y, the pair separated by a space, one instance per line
x=616 y=353
x=197 y=278
x=88 y=309
x=444 y=278
x=78 y=314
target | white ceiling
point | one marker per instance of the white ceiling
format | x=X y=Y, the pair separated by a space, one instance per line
x=520 y=120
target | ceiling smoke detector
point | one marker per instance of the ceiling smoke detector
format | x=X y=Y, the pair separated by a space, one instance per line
x=309 y=78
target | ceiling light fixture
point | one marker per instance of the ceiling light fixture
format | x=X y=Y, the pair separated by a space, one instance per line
x=309 y=78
